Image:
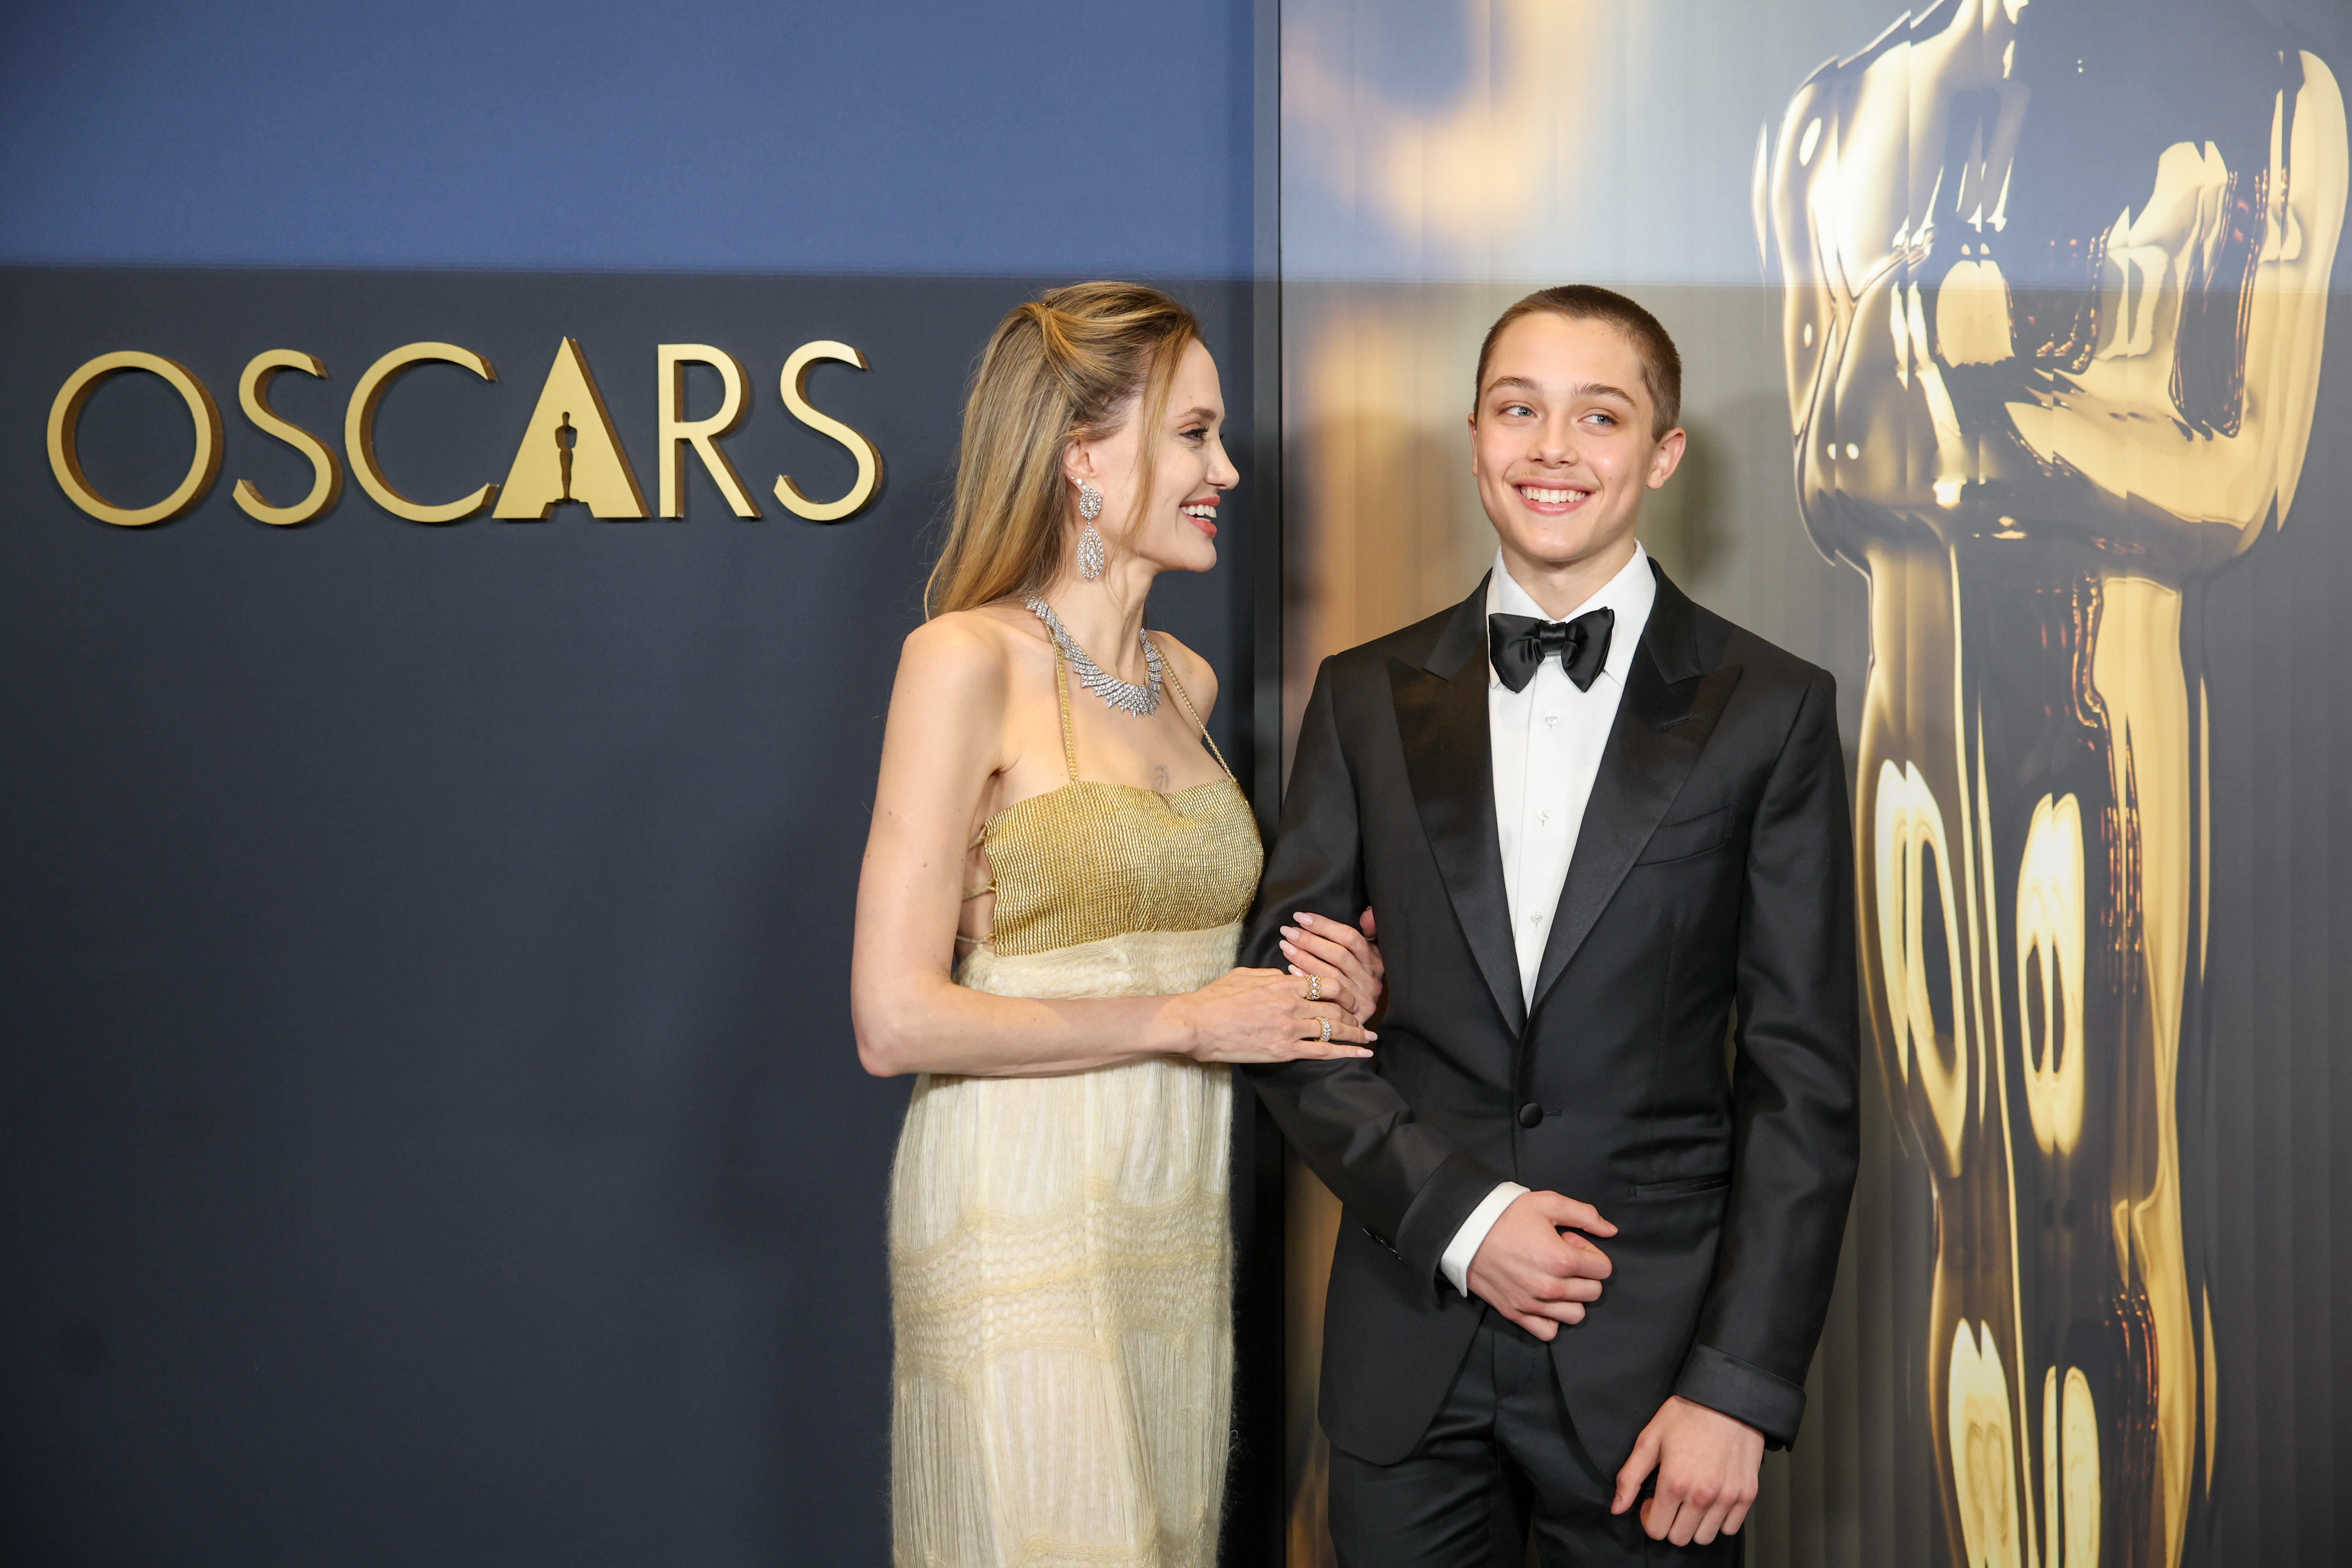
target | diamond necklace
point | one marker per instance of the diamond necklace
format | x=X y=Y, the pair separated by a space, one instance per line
x=1125 y=697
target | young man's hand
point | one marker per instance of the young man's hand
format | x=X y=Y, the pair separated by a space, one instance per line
x=1532 y=1271
x=1707 y=1464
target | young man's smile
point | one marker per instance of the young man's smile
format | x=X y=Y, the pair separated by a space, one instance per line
x=1552 y=501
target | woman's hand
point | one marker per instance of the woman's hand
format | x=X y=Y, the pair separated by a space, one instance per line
x=1265 y=1016
x=1347 y=959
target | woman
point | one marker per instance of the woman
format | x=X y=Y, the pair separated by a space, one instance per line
x=1046 y=922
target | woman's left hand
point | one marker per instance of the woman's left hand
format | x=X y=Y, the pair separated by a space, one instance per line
x=1348 y=960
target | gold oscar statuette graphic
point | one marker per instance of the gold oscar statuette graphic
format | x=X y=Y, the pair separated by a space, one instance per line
x=2057 y=285
x=359 y=432
x=327 y=474
x=65 y=424
x=677 y=434
x=569 y=451
x=870 y=461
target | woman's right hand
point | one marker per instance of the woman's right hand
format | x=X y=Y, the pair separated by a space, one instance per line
x=1265 y=1016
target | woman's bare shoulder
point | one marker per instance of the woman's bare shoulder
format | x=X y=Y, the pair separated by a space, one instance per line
x=967 y=665
x=951 y=664
x=974 y=644
x=1198 y=677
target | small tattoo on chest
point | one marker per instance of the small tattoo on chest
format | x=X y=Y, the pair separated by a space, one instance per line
x=1160 y=777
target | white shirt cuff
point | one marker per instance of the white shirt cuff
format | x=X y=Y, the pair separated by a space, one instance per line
x=1455 y=1263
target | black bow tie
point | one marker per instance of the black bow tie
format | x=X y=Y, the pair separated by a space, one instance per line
x=1521 y=642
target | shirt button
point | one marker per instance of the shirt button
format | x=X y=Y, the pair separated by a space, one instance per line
x=1531 y=1116
x=1544 y=817
x=1551 y=718
x=1535 y=918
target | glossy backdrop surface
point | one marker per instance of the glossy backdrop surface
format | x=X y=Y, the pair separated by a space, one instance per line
x=2014 y=401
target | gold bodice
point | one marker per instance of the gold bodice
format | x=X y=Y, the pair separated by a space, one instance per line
x=1090 y=860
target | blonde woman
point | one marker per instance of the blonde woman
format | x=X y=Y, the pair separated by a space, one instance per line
x=1046 y=923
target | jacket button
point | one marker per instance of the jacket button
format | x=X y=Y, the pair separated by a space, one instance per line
x=1531 y=1116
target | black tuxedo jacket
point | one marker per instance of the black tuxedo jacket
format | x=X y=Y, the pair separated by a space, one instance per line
x=1687 y=1066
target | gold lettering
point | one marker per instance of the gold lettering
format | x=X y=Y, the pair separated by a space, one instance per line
x=870 y=461
x=359 y=432
x=2052 y=919
x=676 y=432
x=65 y=422
x=569 y=451
x=1984 y=1450
x=1912 y=845
x=327 y=474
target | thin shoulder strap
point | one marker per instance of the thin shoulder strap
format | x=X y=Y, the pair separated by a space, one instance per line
x=1168 y=667
x=1069 y=736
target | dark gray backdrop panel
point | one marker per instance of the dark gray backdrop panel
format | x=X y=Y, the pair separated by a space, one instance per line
x=429 y=1125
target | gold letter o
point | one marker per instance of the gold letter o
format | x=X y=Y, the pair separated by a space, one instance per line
x=65 y=458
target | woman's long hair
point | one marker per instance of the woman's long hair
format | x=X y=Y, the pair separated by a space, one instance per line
x=1073 y=364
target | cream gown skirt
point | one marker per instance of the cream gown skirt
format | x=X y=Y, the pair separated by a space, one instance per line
x=1061 y=1291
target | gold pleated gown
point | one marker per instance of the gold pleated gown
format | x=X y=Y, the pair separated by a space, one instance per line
x=1060 y=1249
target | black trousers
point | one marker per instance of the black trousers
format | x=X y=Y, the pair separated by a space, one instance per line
x=1501 y=1454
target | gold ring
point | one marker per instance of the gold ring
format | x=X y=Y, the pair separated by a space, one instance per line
x=1315 y=988
x=1327 y=1031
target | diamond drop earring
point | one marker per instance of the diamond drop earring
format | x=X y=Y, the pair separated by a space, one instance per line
x=1091 y=555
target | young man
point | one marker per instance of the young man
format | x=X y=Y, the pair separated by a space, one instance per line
x=1587 y=1247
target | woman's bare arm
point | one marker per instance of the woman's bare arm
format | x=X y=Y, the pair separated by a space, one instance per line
x=941 y=749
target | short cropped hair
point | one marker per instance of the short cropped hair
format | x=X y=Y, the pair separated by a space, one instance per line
x=1662 y=367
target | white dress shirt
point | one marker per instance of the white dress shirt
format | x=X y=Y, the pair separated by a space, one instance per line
x=1546 y=740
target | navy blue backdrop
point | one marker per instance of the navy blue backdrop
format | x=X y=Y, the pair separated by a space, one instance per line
x=429 y=1128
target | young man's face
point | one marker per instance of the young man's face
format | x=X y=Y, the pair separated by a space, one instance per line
x=1559 y=440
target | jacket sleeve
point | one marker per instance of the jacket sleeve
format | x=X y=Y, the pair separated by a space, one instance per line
x=1408 y=1185
x=1794 y=1090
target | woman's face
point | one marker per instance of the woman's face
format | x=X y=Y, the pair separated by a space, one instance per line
x=1174 y=529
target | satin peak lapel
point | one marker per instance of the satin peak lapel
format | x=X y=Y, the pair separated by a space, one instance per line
x=1669 y=710
x=1441 y=711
